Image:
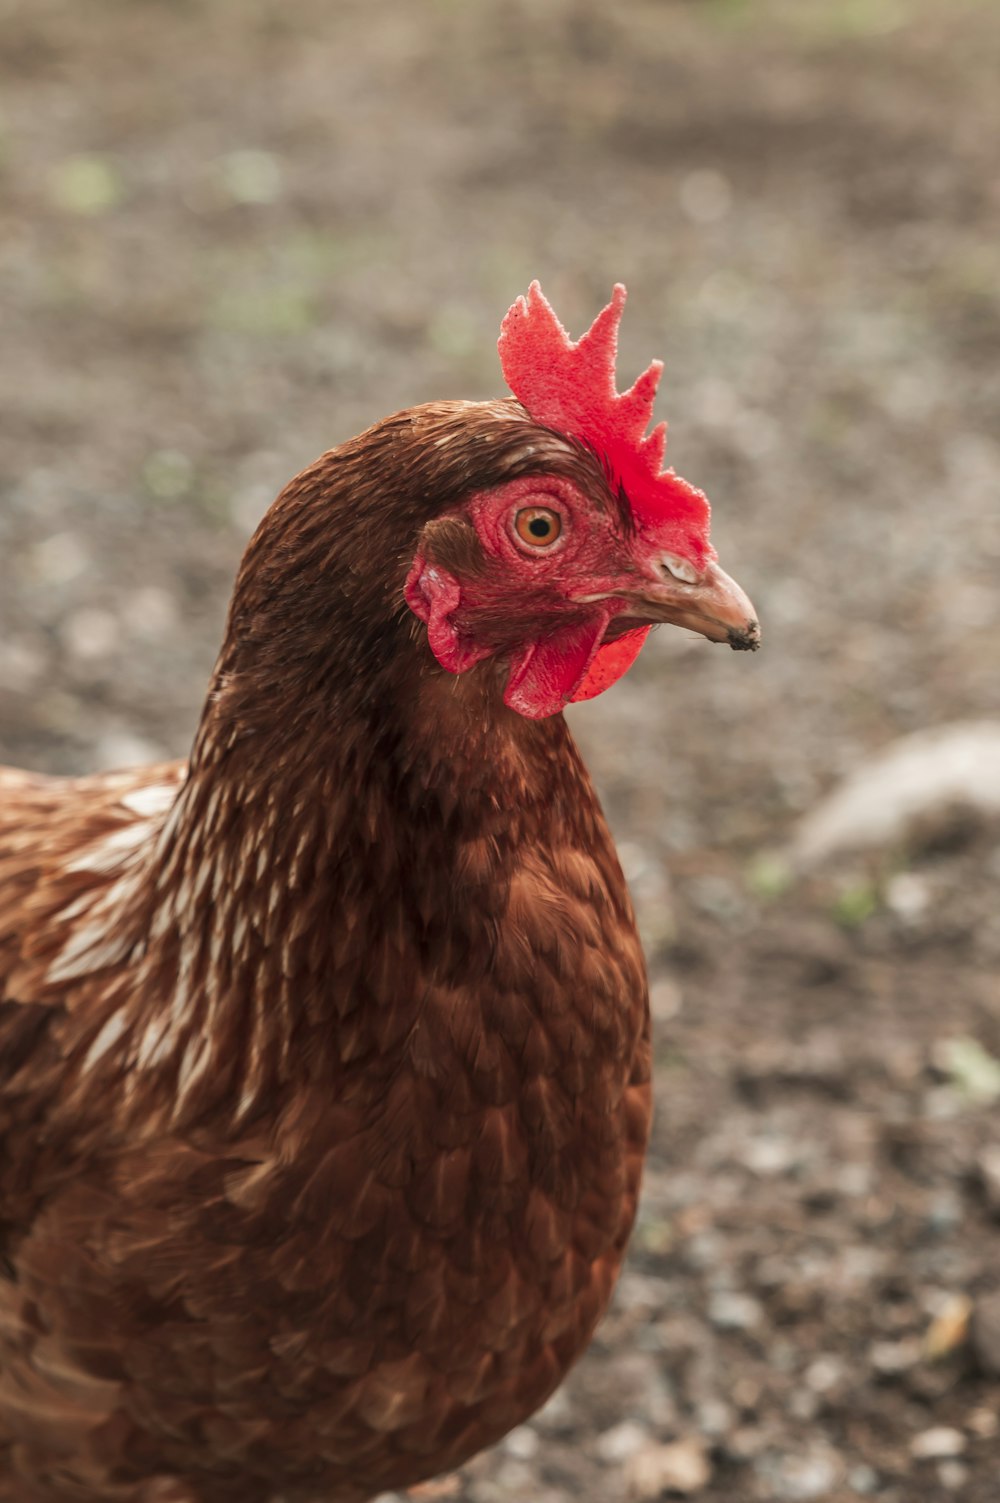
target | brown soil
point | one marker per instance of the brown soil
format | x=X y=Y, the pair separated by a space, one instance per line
x=232 y=232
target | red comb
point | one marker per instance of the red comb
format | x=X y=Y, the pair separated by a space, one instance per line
x=571 y=386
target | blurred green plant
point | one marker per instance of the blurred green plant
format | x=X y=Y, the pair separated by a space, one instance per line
x=821 y=18
x=453 y=332
x=249 y=176
x=656 y=1236
x=264 y=311
x=86 y=184
x=972 y=1072
x=769 y=876
x=168 y=475
x=283 y=286
x=856 y=903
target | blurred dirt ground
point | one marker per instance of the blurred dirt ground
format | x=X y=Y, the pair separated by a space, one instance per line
x=232 y=232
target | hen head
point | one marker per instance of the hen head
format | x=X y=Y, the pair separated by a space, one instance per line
x=559 y=573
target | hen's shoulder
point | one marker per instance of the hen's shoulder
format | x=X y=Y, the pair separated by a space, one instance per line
x=40 y=813
x=61 y=841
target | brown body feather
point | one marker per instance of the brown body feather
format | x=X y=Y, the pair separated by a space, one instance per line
x=324 y=1062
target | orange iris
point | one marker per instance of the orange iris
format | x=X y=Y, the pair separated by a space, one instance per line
x=538 y=526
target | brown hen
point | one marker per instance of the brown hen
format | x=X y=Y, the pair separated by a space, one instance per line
x=324 y=1059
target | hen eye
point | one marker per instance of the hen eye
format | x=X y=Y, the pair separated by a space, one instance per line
x=537 y=526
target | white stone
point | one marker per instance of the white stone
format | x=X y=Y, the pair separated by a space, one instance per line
x=734 y=1312
x=522 y=1443
x=917 y=779
x=938 y=1444
x=621 y=1441
x=681 y=1467
x=90 y=634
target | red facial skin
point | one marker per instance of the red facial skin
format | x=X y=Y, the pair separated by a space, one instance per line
x=569 y=614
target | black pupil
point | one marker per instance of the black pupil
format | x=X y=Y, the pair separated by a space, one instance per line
x=540 y=527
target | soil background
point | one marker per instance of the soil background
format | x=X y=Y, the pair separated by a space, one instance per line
x=233 y=232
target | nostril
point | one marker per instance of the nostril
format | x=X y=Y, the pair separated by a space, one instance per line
x=679 y=568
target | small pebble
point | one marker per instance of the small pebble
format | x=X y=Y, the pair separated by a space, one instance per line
x=890 y=1358
x=953 y=1475
x=949 y=1329
x=90 y=634
x=681 y=1467
x=745 y=1443
x=118 y=749
x=735 y=1312
x=944 y=1212
x=802 y=1479
x=22 y=665
x=767 y=1156
x=665 y=1000
x=988 y=1165
x=984 y=1422
x=803 y=1404
x=557 y=1414
x=715 y=1417
x=621 y=1441
x=908 y=895
x=984 y=1331
x=863 y=1478
x=150 y=612
x=938 y=1443
x=824 y=1374
x=58 y=559
x=706 y=197
x=522 y=1443
x=514 y=1478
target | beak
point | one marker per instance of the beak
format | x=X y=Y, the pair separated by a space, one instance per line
x=712 y=605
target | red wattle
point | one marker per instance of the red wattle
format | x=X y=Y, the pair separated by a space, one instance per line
x=610 y=662
x=546 y=675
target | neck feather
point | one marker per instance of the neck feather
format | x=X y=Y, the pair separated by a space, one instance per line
x=351 y=812
x=297 y=881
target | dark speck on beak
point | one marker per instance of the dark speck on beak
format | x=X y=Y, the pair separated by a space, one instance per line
x=746 y=639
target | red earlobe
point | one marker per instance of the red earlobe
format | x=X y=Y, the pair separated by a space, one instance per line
x=434 y=596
